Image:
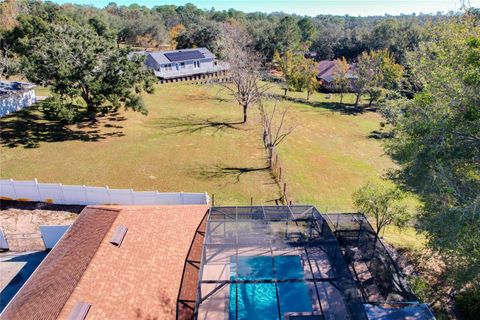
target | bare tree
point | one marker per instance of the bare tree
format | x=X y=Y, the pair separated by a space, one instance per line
x=245 y=67
x=6 y=61
x=274 y=128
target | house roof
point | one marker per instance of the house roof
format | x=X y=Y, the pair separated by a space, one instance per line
x=9 y=87
x=142 y=275
x=328 y=68
x=161 y=57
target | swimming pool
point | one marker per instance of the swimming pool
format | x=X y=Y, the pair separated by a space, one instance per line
x=260 y=300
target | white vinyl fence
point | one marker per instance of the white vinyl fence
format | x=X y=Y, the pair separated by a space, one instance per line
x=84 y=195
x=14 y=101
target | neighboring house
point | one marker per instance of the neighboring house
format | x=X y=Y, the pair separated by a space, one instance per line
x=183 y=63
x=15 y=96
x=326 y=73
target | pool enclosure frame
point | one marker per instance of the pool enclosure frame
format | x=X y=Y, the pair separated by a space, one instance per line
x=360 y=243
x=272 y=231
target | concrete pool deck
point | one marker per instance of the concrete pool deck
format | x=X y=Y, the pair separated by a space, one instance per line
x=15 y=269
x=218 y=267
x=8 y=271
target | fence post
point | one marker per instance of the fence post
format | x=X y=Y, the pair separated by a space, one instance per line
x=38 y=189
x=213 y=199
x=13 y=187
x=109 y=195
x=60 y=186
x=85 y=193
x=280 y=173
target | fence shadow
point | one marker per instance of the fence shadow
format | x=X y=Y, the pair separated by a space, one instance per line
x=220 y=172
x=191 y=125
x=28 y=128
x=344 y=108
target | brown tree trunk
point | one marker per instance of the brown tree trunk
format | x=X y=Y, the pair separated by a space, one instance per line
x=341 y=97
x=92 y=112
x=371 y=101
x=91 y=108
x=245 y=107
x=357 y=99
x=308 y=95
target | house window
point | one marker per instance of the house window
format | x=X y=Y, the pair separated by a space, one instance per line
x=196 y=64
x=168 y=67
x=182 y=65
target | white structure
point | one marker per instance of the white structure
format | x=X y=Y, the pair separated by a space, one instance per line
x=31 y=190
x=52 y=234
x=15 y=96
x=183 y=63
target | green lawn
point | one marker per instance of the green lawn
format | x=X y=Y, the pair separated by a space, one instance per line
x=331 y=152
x=188 y=142
x=191 y=141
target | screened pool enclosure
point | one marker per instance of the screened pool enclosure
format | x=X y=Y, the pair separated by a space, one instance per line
x=278 y=262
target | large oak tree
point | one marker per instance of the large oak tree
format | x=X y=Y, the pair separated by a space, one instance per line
x=436 y=140
x=81 y=64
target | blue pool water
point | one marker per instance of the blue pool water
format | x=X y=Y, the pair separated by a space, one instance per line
x=259 y=300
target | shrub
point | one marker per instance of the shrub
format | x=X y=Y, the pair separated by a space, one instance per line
x=468 y=303
x=420 y=287
x=54 y=109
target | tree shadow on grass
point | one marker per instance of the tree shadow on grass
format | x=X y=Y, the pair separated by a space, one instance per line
x=208 y=97
x=346 y=109
x=226 y=172
x=192 y=125
x=380 y=135
x=28 y=128
x=343 y=108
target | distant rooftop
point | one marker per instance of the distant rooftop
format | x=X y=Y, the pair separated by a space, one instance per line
x=328 y=68
x=8 y=87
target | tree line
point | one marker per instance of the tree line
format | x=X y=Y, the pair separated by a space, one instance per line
x=186 y=26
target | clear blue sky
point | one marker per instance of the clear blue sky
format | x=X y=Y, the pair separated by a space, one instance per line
x=304 y=7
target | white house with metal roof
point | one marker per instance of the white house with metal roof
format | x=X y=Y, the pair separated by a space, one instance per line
x=183 y=63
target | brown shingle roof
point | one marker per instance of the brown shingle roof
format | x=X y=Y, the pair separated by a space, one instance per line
x=139 y=279
x=50 y=286
x=328 y=68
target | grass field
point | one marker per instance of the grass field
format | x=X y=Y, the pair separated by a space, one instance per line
x=188 y=142
x=332 y=151
x=191 y=141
